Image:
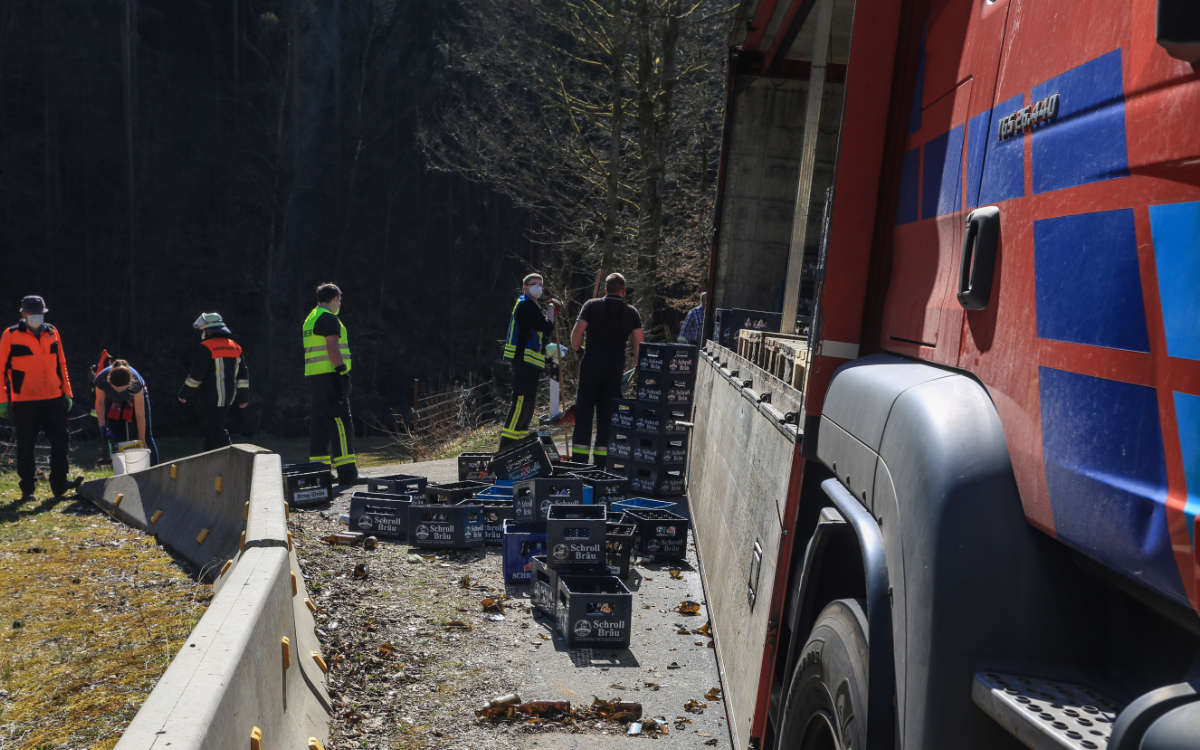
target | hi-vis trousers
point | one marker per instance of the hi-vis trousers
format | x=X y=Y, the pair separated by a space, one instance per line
x=331 y=427
x=524 y=399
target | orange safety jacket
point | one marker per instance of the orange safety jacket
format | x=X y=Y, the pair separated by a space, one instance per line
x=34 y=366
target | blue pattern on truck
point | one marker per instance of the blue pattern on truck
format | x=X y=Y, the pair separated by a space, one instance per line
x=1088 y=286
x=1087 y=141
x=1107 y=475
x=1176 y=230
x=942 y=175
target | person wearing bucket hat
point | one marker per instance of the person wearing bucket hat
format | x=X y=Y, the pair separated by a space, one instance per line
x=218 y=378
x=36 y=393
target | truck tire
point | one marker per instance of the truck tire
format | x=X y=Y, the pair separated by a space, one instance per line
x=826 y=706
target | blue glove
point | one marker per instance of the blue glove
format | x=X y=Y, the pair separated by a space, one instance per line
x=107 y=433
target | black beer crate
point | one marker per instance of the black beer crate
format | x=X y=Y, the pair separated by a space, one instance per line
x=678 y=359
x=397 y=484
x=543 y=585
x=661 y=419
x=547 y=439
x=445 y=526
x=452 y=492
x=575 y=537
x=307 y=484
x=532 y=498
x=379 y=515
x=728 y=321
x=474 y=466
x=521 y=542
x=607 y=488
x=618 y=546
x=660 y=534
x=621 y=443
x=654 y=480
x=664 y=451
x=524 y=460
x=624 y=413
x=495 y=513
x=594 y=611
x=650 y=386
x=679 y=391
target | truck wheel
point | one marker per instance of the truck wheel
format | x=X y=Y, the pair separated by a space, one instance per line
x=826 y=706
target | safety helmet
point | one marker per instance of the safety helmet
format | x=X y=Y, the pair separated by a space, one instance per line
x=208 y=320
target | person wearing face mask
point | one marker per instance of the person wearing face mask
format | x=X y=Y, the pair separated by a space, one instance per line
x=36 y=393
x=218 y=378
x=525 y=347
x=123 y=399
x=327 y=365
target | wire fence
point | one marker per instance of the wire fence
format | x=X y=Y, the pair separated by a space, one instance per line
x=439 y=418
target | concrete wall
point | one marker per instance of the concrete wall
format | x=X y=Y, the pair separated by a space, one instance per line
x=236 y=671
x=740 y=460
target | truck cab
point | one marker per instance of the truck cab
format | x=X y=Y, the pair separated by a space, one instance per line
x=972 y=521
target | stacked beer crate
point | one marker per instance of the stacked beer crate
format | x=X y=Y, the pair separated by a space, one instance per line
x=648 y=442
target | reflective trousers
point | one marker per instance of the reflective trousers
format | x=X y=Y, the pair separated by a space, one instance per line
x=524 y=399
x=331 y=428
x=595 y=398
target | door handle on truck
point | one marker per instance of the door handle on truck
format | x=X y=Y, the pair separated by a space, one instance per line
x=979 y=257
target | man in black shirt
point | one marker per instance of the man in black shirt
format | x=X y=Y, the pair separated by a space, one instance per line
x=525 y=346
x=607 y=323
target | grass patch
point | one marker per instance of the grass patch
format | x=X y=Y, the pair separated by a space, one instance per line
x=91 y=613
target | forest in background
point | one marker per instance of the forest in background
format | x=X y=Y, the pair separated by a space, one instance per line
x=159 y=158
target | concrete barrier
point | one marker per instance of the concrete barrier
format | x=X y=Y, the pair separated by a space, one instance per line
x=250 y=662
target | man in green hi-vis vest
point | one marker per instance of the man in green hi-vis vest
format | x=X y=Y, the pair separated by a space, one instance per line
x=327 y=370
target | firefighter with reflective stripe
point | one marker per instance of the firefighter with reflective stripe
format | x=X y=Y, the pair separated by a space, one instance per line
x=327 y=365
x=608 y=323
x=525 y=347
x=36 y=393
x=218 y=378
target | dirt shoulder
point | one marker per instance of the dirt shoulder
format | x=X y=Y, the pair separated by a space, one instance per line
x=413 y=654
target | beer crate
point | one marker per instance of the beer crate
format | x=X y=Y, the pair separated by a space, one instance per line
x=678 y=391
x=397 y=484
x=660 y=534
x=651 y=479
x=495 y=513
x=521 y=542
x=532 y=498
x=307 y=485
x=650 y=386
x=474 y=466
x=624 y=412
x=621 y=443
x=607 y=488
x=594 y=611
x=575 y=537
x=452 y=492
x=728 y=321
x=543 y=585
x=667 y=358
x=524 y=460
x=445 y=526
x=618 y=547
x=381 y=516
x=661 y=419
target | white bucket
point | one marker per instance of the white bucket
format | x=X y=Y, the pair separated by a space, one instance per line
x=131 y=460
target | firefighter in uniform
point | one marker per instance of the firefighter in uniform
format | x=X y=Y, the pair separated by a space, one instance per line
x=327 y=369
x=36 y=393
x=218 y=368
x=607 y=322
x=525 y=347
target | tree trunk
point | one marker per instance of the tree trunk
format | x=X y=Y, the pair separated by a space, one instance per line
x=129 y=77
x=649 y=210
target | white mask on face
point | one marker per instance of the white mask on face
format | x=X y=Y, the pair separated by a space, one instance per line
x=535 y=291
x=34 y=321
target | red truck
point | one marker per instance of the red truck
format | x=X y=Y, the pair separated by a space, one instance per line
x=972 y=523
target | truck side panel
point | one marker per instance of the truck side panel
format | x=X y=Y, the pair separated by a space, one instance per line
x=740 y=463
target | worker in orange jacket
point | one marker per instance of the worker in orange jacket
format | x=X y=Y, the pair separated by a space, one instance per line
x=36 y=393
